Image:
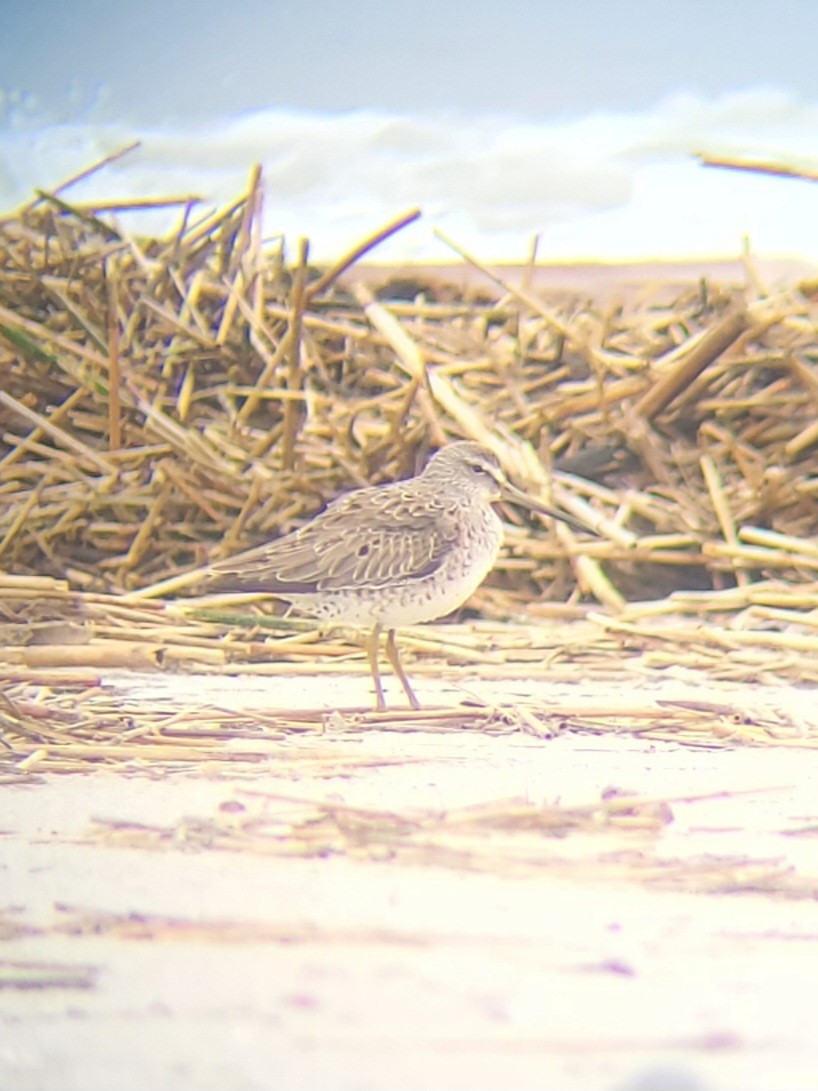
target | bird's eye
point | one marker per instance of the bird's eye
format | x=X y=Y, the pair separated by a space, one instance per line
x=476 y=468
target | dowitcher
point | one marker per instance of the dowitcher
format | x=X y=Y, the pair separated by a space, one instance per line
x=390 y=555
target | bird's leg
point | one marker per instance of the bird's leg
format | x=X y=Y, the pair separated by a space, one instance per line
x=397 y=666
x=372 y=655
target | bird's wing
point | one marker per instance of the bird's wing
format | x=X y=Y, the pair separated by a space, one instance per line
x=352 y=544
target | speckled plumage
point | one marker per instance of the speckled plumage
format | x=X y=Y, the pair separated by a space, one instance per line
x=389 y=555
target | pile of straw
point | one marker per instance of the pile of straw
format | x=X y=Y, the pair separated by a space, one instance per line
x=166 y=402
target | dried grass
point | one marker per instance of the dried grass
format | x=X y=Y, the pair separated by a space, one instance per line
x=60 y=719
x=616 y=839
x=165 y=402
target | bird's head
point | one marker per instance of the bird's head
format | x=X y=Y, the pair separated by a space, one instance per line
x=473 y=471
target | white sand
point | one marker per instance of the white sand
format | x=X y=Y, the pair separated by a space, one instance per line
x=358 y=974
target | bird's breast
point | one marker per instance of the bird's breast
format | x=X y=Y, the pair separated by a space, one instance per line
x=413 y=600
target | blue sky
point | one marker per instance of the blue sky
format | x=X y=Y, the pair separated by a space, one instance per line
x=158 y=60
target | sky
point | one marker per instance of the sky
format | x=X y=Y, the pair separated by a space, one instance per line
x=158 y=60
x=575 y=118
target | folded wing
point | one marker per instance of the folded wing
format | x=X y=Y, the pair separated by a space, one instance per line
x=350 y=545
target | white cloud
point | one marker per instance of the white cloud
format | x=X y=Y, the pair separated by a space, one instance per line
x=604 y=185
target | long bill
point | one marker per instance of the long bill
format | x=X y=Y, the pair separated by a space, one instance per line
x=516 y=496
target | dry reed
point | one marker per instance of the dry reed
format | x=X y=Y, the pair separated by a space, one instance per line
x=166 y=401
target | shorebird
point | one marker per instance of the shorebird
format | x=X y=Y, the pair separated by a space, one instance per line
x=390 y=555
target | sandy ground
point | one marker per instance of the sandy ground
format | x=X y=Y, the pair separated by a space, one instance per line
x=598 y=280
x=184 y=966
